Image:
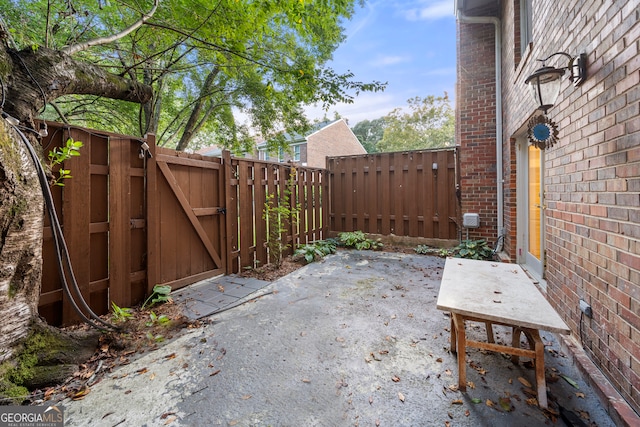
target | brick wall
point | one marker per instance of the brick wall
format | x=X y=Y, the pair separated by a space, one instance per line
x=476 y=129
x=592 y=176
x=336 y=139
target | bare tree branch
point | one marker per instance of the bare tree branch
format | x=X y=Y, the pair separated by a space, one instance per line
x=70 y=50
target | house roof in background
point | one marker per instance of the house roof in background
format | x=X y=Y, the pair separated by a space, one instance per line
x=211 y=151
x=298 y=138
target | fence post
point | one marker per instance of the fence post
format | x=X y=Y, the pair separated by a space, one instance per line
x=152 y=213
x=76 y=219
x=119 y=221
x=231 y=209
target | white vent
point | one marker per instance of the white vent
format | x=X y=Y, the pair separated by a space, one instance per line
x=471 y=220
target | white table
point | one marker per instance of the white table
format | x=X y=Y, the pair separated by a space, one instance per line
x=502 y=294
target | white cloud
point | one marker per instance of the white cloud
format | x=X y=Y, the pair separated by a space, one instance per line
x=430 y=10
x=367 y=106
x=383 y=61
x=363 y=21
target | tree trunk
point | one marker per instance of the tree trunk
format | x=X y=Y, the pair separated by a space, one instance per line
x=195 y=120
x=29 y=79
x=21 y=221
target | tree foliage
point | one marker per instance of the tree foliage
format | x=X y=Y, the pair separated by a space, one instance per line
x=369 y=133
x=429 y=123
x=206 y=62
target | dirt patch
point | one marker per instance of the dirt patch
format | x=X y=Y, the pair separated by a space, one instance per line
x=141 y=331
x=270 y=273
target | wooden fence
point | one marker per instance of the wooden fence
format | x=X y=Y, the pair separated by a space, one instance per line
x=405 y=194
x=134 y=217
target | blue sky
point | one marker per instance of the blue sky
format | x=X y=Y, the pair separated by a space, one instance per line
x=410 y=44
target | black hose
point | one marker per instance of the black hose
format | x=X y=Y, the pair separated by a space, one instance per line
x=62 y=251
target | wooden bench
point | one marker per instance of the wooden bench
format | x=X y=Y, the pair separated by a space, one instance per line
x=497 y=293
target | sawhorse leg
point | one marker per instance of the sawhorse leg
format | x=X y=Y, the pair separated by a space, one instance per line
x=458 y=342
x=535 y=342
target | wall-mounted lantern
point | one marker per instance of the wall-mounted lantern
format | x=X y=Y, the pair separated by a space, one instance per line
x=545 y=81
x=542 y=132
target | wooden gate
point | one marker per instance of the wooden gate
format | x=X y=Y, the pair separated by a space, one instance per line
x=135 y=215
x=187 y=229
x=405 y=193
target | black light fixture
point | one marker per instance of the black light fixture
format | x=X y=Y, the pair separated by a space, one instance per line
x=545 y=81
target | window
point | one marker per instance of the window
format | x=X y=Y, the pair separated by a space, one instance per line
x=296 y=153
x=526 y=25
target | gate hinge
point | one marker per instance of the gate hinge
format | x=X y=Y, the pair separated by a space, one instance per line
x=222 y=211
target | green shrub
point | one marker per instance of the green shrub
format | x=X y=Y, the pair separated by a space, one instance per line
x=358 y=240
x=317 y=250
x=473 y=249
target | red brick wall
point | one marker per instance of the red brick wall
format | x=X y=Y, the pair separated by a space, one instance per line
x=336 y=139
x=592 y=176
x=476 y=130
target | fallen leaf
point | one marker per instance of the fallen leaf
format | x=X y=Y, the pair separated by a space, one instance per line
x=306 y=380
x=171 y=356
x=166 y=415
x=570 y=381
x=450 y=415
x=370 y=400
x=584 y=414
x=453 y=387
x=524 y=382
x=580 y=395
x=401 y=397
x=476 y=400
x=490 y=403
x=505 y=404
x=471 y=385
x=457 y=402
x=246 y=397
x=467 y=413
x=383 y=352
x=439 y=360
x=152 y=376
x=377 y=423
x=220 y=288
x=447 y=371
x=214 y=373
x=170 y=420
x=80 y=394
x=532 y=401
x=447 y=424
x=142 y=371
x=395 y=379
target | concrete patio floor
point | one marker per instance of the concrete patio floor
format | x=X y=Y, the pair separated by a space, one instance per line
x=353 y=340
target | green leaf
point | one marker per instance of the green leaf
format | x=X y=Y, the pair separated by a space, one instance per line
x=570 y=381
